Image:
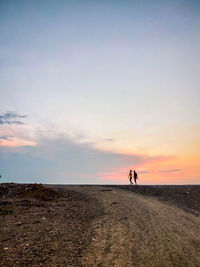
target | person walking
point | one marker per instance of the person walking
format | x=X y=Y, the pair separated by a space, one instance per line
x=135 y=177
x=130 y=176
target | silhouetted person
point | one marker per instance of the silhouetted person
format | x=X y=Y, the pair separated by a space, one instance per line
x=135 y=177
x=130 y=176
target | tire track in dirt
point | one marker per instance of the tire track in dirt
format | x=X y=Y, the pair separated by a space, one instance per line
x=140 y=231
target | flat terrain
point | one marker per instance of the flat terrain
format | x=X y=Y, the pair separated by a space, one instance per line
x=99 y=225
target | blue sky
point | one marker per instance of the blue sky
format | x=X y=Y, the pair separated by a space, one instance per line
x=117 y=78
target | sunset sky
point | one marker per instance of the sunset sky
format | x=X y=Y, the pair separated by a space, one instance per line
x=92 y=89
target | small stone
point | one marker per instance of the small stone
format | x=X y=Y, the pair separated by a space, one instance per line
x=36 y=221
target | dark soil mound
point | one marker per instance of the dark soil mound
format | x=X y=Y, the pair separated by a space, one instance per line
x=37 y=232
x=34 y=191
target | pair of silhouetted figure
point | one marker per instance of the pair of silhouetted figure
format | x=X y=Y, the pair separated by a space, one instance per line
x=131 y=175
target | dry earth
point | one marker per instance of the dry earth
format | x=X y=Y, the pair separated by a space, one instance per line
x=42 y=227
x=97 y=226
x=141 y=231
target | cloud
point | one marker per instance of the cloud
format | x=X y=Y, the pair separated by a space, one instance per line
x=64 y=161
x=6 y=137
x=109 y=139
x=15 y=142
x=171 y=170
x=11 y=118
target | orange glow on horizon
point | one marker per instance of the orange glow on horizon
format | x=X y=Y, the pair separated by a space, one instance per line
x=172 y=170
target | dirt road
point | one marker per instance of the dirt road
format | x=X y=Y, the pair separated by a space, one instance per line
x=97 y=226
x=136 y=230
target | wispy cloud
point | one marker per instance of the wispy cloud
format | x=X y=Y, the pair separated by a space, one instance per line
x=6 y=137
x=171 y=170
x=109 y=139
x=14 y=142
x=11 y=118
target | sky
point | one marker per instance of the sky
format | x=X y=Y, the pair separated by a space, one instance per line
x=92 y=89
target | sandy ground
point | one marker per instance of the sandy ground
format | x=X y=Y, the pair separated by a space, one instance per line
x=95 y=226
x=43 y=227
x=141 y=231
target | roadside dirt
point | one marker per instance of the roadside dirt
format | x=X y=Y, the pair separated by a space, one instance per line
x=43 y=227
x=94 y=226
